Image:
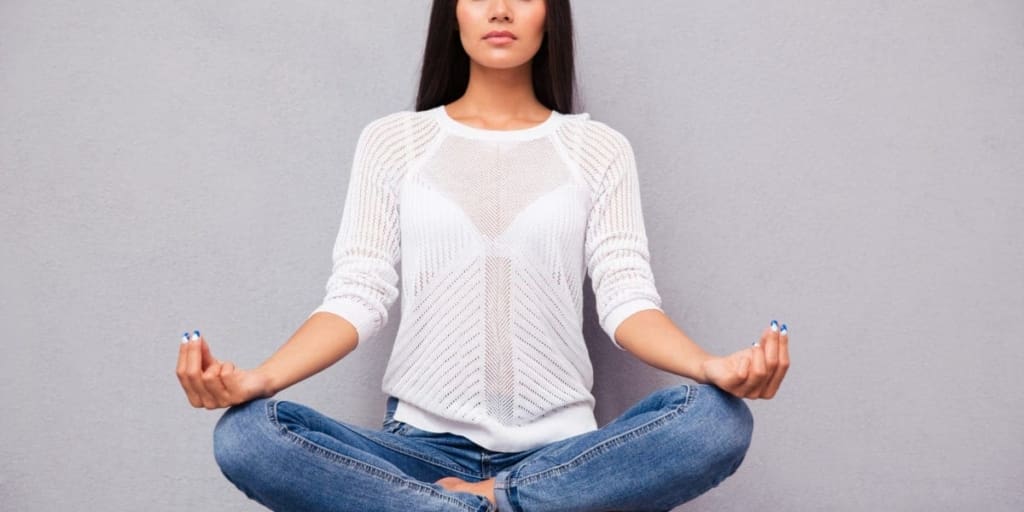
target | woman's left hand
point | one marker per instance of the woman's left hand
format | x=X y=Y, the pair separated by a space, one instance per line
x=756 y=371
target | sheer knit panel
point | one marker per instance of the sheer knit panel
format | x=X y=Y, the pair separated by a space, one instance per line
x=489 y=227
x=363 y=281
x=617 y=250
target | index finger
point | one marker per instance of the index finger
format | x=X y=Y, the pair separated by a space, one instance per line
x=771 y=347
x=194 y=372
x=181 y=372
x=780 y=372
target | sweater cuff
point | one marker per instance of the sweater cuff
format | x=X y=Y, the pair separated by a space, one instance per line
x=620 y=313
x=365 y=320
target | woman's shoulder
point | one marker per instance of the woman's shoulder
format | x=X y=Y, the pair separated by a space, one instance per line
x=402 y=116
x=403 y=123
x=393 y=118
x=388 y=130
x=591 y=134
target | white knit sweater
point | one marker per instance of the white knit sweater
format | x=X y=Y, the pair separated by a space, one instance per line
x=495 y=230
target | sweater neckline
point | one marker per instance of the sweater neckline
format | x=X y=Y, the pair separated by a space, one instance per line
x=473 y=132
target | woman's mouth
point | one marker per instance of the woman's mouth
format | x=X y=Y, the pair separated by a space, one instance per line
x=500 y=40
x=500 y=37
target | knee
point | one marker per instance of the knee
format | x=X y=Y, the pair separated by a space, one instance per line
x=235 y=436
x=730 y=424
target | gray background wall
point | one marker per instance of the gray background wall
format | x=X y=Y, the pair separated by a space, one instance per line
x=852 y=168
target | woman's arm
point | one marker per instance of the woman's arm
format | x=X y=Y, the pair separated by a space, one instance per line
x=361 y=288
x=324 y=339
x=652 y=337
x=363 y=281
x=753 y=372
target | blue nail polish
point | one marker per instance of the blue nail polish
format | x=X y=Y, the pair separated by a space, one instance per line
x=775 y=325
x=197 y=334
x=784 y=329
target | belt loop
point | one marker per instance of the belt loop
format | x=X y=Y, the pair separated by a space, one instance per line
x=485 y=465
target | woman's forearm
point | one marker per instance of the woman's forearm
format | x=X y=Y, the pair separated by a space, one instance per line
x=655 y=339
x=321 y=341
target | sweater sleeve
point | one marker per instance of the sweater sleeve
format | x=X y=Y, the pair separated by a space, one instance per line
x=363 y=281
x=617 y=254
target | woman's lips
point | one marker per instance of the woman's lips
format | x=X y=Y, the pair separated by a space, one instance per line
x=500 y=37
x=500 y=40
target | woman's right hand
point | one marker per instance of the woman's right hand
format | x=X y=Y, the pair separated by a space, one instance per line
x=212 y=383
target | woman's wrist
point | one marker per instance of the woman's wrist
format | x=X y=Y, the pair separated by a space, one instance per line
x=701 y=373
x=271 y=385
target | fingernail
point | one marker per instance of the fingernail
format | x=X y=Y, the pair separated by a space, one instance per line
x=775 y=326
x=754 y=344
x=184 y=337
x=783 y=331
x=194 y=335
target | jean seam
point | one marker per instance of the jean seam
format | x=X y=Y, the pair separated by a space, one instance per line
x=510 y=488
x=323 y=451
x=691 y=394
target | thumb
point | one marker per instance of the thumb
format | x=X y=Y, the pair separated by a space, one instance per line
x=208 y=358
x=744 y=366
x=227 y=375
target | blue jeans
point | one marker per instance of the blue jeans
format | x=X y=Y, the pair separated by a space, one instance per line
x=670 y=447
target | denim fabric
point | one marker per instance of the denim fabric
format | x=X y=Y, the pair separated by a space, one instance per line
x=672 y=446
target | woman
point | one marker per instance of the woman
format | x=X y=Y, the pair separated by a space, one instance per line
x=506 y=201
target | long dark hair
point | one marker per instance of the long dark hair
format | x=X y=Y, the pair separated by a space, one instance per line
x=445 y=71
